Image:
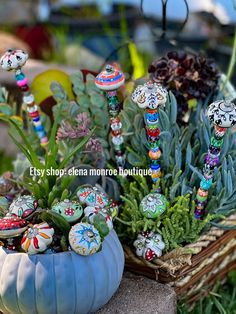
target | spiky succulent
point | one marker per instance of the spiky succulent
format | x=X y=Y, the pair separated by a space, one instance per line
x=189 y=77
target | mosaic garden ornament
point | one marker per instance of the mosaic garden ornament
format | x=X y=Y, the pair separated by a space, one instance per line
x=153 y=205
x=14 y=60
x=223 y=116
x=23 y=206
x=70 y=210
x=150 y=97
x=92 y=197
x=37 y=238
x=90 y=212
x=110 y=80
x=149 y=245
x=84 y=239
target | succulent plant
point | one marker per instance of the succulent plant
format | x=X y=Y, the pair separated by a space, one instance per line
x=183 y=153
x=190 y=77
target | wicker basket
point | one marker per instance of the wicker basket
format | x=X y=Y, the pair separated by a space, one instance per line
x=193 y=269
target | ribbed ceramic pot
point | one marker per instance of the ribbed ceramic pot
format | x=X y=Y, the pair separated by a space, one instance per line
x=65 y=283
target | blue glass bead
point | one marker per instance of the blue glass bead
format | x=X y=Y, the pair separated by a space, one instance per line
x=151 y=117
x=39 y=128
x=20 y=76
x=155 y=167
x=41 y=134
x=36 y=119
x=205 y=184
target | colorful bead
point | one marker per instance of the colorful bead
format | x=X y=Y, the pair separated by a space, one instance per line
x=205 y=184
x=153 y=205
x=154 y=154
x=22 y=83
x=216 y=142
x=212 y=161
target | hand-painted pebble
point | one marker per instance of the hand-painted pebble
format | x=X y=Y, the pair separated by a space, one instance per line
x=153 y=205
x=37 y=238
x=110 y=79
x=150 y=95
x=222 y=113
x=23 y=206
x=91 y=212
x=84 y=239
x=12 y=226
x=92 y=197
x=13 y=59
x=70 y=210
x=149 y=245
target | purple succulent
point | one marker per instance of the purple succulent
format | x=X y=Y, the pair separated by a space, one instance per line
x=94 y=145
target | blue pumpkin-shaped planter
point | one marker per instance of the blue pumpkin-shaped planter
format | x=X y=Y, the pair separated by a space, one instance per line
x=60 y=283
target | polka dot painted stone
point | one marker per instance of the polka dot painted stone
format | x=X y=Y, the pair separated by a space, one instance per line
x=12 y=226
x=23 y=206
x=70 y=210
x=84 y=239
x=153 y=205
x=13 y=59
x=92 y=197
x=110 y=79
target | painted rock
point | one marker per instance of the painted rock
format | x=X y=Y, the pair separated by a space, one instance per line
x=37 y=238
x=92 y=197
x=110 y=79
x=23 y=206
x=91 y=212
x=70 y=210
x=150 y=95
x=153 y=205
x=222 y=113
x=13 y=59
x=12 y=226
x=84 y=239
x=149 y=245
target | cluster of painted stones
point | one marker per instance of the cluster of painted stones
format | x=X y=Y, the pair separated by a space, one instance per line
x=109 y=81
x=14 y=60
x=150 y=96
x=223 y=115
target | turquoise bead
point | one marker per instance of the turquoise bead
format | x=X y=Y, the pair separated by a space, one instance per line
x=205 y=184
x=20 y=77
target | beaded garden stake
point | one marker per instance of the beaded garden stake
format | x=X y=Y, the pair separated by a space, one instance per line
x=14 y=60
x=150 y=97
x=223 y=115
x=109 y=81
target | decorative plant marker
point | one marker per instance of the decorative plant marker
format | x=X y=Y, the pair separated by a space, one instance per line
x=153 y=205
x=37 y=238
x=12 y=226
x=109 y=81
x=23 y=206
x=150 y=96
x=149 y=245
x=70 y=210
x=84 y=239
x=223 y=115
x=91 y=212
x=92 y=197
x=15 y=60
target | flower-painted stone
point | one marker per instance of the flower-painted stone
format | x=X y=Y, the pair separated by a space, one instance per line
x=12 y=226
x=13 y=59
x=70 y=210
x=92 y=197
x=91 y=212
x=84 y=239
x=23 y=206
x=222 y=113
x=149 y=245
x=109 y=79
x=150 y=95
x=153 y=205
x=37 y=238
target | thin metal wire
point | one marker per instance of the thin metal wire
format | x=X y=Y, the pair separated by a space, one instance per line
x=164 y=28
